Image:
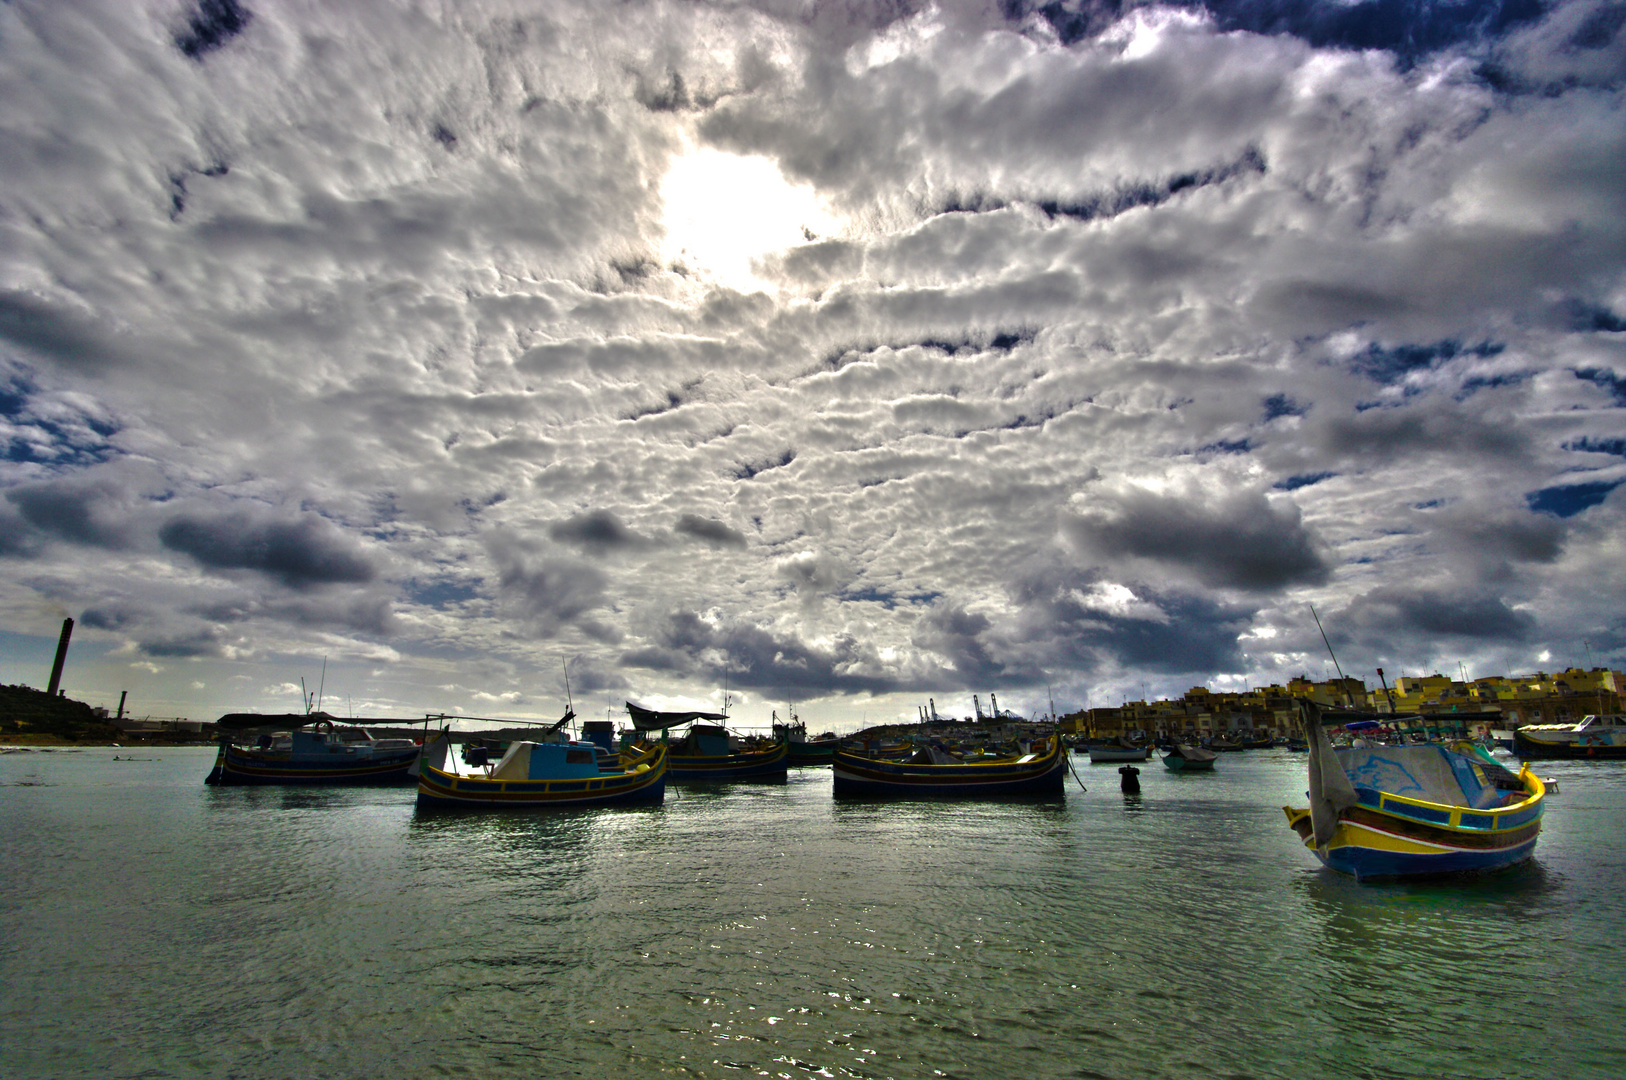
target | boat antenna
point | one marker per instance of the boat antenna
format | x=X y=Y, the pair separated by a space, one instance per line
x=570 y=703
x=321 y=684
x=1325 y=642
x=1330 y=653
x=304 y=696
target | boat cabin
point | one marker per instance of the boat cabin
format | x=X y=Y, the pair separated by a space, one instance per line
x=305 y=741
x=707 y=741
x=548 y=761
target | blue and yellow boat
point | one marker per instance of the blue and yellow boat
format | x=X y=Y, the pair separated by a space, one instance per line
x=933 y=773
x=540 y=775
x=1387 y=812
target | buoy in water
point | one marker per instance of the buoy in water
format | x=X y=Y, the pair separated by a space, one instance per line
x=1131 y=779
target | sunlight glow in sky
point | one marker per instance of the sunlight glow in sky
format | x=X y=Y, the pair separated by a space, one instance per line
x=724 y=210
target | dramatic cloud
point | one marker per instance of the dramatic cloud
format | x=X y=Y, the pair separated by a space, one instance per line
x=851 y=354
x=300 y=553
x=714 y=532
x=1235 y=540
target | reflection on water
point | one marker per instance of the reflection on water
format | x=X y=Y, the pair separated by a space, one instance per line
x=158 y=927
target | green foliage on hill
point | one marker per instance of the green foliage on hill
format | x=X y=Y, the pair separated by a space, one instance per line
x=27 y=714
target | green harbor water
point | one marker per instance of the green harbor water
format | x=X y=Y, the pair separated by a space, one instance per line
x=153 y=927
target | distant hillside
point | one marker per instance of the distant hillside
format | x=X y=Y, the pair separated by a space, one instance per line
x=28 y=715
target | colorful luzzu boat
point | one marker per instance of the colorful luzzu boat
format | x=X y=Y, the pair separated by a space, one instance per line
x=540 y=775
x=706 y=754
x=1386 y=812
x=934 y=774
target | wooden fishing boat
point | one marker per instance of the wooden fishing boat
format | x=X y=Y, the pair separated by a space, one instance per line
x=706 y=754
x=539 y=776
x=307 y=749
x=1183 y=758
x=1381 y=812
x=1119 y=750
x=934 y=773
x=805 y=751
x=1591 y=737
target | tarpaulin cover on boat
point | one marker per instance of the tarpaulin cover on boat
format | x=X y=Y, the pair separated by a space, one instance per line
x=1430 y=773
x=649 y=720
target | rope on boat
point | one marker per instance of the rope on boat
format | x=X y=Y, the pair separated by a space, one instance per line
x=1069 y=759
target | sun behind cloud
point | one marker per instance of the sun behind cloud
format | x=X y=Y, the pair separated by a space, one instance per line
x=724 y=210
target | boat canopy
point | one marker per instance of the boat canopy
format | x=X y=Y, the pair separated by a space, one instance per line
x=247 y=721
x=649 y=720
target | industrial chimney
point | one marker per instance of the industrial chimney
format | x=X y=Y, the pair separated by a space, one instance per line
x=61 y=657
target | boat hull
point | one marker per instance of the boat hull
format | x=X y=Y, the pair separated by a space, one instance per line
x=753 y=765
x=813 y=753
x=440 y=790
x=236 y=767
x=865 y=777
x=1180 y=764
x=1370 y=845
x=1115 y=754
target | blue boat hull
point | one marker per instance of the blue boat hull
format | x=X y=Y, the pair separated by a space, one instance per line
x=1365 y=864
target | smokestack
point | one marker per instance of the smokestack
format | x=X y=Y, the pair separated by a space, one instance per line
x=61 y=657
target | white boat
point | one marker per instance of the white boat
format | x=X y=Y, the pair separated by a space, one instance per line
x=1119 y=750
x=1592 y=737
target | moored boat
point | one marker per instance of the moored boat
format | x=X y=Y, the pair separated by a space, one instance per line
x=1591 y=737
x=307 y=749
x=932 y=772
x=1184 y=758
x=1380 y=812
x=707 y=754
x=1119 y=750
x=541 y=775
x=805 y=751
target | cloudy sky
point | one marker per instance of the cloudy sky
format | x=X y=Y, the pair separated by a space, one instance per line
x=850 y=354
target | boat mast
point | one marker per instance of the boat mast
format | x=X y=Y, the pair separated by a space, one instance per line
x=1332 y=654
